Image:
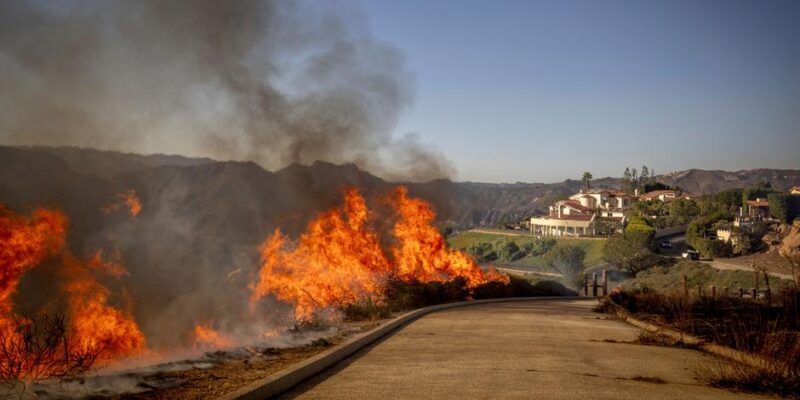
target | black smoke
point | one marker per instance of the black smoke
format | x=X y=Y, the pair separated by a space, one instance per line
x=275 y=82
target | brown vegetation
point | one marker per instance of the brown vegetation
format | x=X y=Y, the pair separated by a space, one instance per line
x=770 y=333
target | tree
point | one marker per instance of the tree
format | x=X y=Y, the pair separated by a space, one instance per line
x=626 y=180
x=587 y=179
x=640 y=225
x=783 y=207
x=634 y=179
x=682 y=211
x=509 y=251
x=567 y=260
x=631 y=252
x=645 y=178
x=482 y=251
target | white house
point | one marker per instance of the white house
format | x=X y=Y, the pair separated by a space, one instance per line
x=578 y=215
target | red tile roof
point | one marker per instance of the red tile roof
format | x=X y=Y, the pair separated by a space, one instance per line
x=758 y=203
x=655 y=193
x=574 y=204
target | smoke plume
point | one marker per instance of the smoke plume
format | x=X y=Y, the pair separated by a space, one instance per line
x=276 y=82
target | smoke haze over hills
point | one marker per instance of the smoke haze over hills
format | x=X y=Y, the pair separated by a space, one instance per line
x=275 y=82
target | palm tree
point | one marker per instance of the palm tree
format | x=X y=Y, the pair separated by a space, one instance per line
x=587 y=178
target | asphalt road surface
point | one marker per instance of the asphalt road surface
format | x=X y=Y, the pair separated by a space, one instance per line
x=549 y=349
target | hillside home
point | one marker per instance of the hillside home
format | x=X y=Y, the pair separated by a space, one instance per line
x=727 y=235
x=577 y=216
x=664 y=195
x=758 y=209
x=795 y=190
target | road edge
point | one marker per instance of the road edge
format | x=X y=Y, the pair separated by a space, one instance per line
x=290 y=377
x=698 y=343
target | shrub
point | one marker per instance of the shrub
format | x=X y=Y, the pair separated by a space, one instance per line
x=366 y=309
x=784 y=207
x=567 y=260
x=38 y=347
x=630 y=252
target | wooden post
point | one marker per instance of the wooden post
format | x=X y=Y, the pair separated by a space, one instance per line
x=586 y=285
x=713 y=292
x=700 y=290
x=768 y=293
x=741 y=293
x=594 y=284
x=685 y=286
x=605 y=283
x=755 y=293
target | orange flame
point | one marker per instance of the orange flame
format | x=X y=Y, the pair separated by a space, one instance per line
x=129 y=200
x=421 y=252
x=335 y=262
x=24 y=243
x=207 y=337
x=94 y=327
x=339 y=259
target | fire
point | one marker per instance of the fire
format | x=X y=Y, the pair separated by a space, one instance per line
x=97 y=326
x=129 y=200
x=335 y=262
x=339 y=259
x=207 y=337
x=421 y=252
x=24 y=243
x=95 y=332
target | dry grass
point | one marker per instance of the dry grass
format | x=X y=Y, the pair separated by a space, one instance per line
x=770 y=334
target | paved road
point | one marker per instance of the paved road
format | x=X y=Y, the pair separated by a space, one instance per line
x=679 y=246
x=723 y=266
x=521 y=350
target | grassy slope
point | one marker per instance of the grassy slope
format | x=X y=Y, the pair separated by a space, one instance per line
x=593 y=247
x=662 y=278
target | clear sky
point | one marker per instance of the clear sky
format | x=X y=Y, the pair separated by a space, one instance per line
x=540 y=91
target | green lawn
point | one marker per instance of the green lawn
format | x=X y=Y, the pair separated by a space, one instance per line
x=593 y=247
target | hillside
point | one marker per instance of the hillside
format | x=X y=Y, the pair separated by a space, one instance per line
x=301 y=190
x=202 y=220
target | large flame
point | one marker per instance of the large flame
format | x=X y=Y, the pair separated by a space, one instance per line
x=421 y=252
x=24 y=243
x=93 y=326
x=339 y=259
x=335 y=262
x=97 y=326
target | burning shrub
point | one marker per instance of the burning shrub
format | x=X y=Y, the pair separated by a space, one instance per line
x=40 y=347
x=366 y=309
x=407 y=295
x=340 y=261
x=90 y=333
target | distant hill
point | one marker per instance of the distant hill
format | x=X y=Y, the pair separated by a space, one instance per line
x=202 y=220
x=703 y=182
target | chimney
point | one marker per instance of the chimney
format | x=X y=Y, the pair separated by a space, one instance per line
x=559 y=211
x=636 y=192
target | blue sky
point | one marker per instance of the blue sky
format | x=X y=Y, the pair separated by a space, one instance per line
x=543 y=90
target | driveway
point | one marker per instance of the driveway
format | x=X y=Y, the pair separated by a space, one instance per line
x=548 y=349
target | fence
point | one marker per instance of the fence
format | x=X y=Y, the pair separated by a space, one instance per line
x=594 y=285
x=786 y=297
